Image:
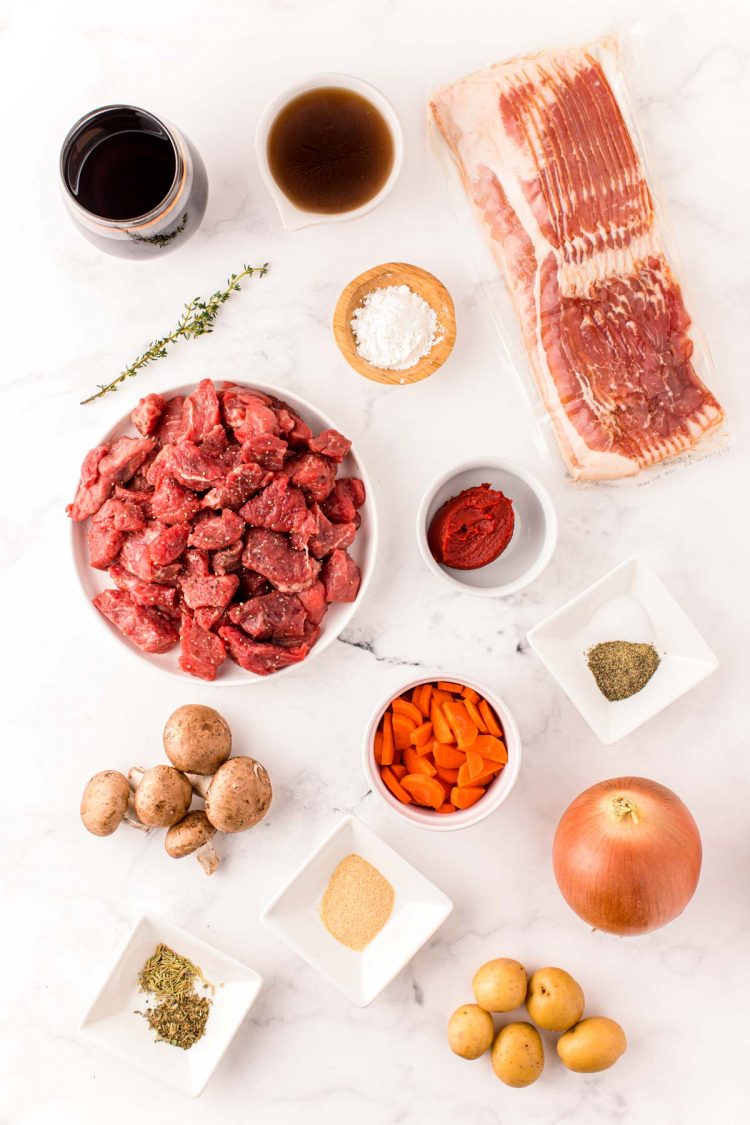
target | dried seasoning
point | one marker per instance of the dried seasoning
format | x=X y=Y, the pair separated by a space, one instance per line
x=357 y=902
x=181 y=1015
x=622 y=668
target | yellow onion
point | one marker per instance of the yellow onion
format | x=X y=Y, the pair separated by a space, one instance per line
x=627 y=855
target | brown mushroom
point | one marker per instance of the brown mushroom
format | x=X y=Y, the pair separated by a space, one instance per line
x=105 y=803
x=237 y=796
x=162 y=795
x=197 y=739
x=192 y=836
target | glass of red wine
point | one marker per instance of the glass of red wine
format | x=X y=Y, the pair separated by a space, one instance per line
x=133 y=184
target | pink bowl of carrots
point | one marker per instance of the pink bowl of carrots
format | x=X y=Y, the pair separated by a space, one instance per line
x=442 y=754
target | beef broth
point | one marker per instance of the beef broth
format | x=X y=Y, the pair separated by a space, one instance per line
x=330 y=150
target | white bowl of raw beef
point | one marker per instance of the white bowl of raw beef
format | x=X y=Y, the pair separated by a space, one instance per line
x=362 y=551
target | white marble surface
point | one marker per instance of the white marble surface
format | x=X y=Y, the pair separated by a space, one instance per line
x=75 y=705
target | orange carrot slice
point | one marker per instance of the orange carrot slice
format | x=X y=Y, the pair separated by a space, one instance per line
x=440 y=696
x=476 y=716
x=474 y=764
x=486 y=778
x=377 y=747
x=446 y=808
x=490 y=718
x=486 y=769
x=425 y=695
x=460 y=723
x=394 y=785
x=425 y=790
x=448 y=685
x=449 y=776
x=415 y=763
x=389 y=747
x=403 y=722
x=470 y=695
x=464 y=798
x=421 y=735
x=447 y=756
x=408 y=710
x=440 y=726
x=399 y=771
x=491 y=748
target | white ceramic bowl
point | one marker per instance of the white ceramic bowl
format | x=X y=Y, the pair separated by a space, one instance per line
x=419 y=908
x=635 y=605
x=363 y=551
x=294 y=218
x=111 y=1022
x=497 y=791
x=534 y=534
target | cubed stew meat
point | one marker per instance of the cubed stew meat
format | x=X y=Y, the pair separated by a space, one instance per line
x=224 y=527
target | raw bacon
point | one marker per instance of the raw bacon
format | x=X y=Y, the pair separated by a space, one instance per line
x=555 y=175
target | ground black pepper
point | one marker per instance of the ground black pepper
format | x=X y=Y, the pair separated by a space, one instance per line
x=621 y=668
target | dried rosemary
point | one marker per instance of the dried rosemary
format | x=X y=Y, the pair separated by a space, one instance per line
x=621 y=668
x=181 y=1015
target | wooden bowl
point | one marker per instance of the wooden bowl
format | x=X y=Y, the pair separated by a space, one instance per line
x=425 y=286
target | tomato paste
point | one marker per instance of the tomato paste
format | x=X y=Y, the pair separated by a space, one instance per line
x=471 y=529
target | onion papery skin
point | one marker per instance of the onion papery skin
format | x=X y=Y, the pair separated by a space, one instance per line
x=622 y=874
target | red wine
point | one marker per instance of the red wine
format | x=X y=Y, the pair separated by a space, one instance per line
x=126 y=175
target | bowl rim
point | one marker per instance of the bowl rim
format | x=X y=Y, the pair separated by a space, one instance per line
x=326 y=639
x=551 y=526
x=292 y=216
x=464 y=818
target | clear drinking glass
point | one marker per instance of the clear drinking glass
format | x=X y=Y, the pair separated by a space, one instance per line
x=121 y=158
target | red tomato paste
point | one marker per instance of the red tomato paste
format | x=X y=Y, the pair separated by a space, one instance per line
x=471 y=529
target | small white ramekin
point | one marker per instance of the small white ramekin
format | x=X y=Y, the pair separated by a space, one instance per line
x=497 y=791
x=534 y=536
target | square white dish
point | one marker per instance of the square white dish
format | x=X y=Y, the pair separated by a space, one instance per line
x=560 y=642
x=111 y=1022
x=419 y=908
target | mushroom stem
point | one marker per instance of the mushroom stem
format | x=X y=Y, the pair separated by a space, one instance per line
x=131 y=817
x=200 y=783
x=207 y=858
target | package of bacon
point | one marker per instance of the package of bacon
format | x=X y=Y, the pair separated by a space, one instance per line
x=553 y=164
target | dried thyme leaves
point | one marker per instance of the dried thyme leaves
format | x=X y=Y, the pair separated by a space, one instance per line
x=181 y=1015
x=621 y=668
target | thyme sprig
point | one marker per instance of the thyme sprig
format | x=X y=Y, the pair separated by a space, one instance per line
x=197 y=320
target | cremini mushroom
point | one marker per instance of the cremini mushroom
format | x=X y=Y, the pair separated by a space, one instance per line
x=192 y=836
x=107 y=802
x=197 y=739
x=162 y=795
x=237 y=796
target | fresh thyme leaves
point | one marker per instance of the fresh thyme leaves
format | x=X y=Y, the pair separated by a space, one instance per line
x=180 y=1016
x=197 y=319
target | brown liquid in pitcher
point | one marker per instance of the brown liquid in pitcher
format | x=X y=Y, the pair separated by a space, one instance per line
x=330 y=150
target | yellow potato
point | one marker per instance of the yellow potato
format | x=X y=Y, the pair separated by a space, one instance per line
x=554 y=1001
x=518 y=1054
x=593 y=1044
x=470 y=1031
x=500 y=985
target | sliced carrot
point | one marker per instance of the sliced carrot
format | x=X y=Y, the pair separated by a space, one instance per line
x=486 y=778
x=425 y=790
x=394 y=785
x=403 y=722
x=449 y=776
x=465 y=797
x=476 y=716
x=415 y=763
x=490 y=718
x=415 y=696
x=421 y=735
x=447 y=788
x=377 y=747
x=440 y=726
x=446 y=808
x=440 y=696
x=448 y=685
x=425 y=695
x=474 y=764
x=492 y=748
x=460 y=723
x=470 y=695
x=399 y=771
x=408 y=710
x=447 y=756
x=388 y=743
x=486 y=769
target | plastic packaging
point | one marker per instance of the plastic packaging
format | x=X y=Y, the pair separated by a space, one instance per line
x=578 y=297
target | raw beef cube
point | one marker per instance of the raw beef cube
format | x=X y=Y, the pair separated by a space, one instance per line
x=213 y=590
x=347 y=495
x=216 y=444
x=200 y=413
x=271 y=555
x=341 y=577
x=103 y=468
x=168 y=543
x=248 y=413
x=105 y=544
x=131 y=495
x=201 y=652
x=272 y=615
x=265 y=450
x=196 y=564
x=191 y=467
x=122 y=514
x=171 y=503
x=281 y=507
x=229 y=559
x=239 y=486
x=125 y=457
x=296 y=432
x=171 y=420
x=145 y=593
x=314 y=474
x=257 y=656
x=212 y=533
x=310 y=635
x=208 y=615
x=314 y=602
x=252 y=585
x=329 y=536
x=147 y=414
x=144 y=626
x=136 y=556
x=332 y=444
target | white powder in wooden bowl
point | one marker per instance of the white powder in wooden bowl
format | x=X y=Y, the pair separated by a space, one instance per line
x=394 y=328
x=357 y=902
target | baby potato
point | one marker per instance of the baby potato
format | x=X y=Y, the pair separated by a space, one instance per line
x=500 y=985
x=518 y=1054
x=470 y=1031
x=593 y=1044
x=554 y=1000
